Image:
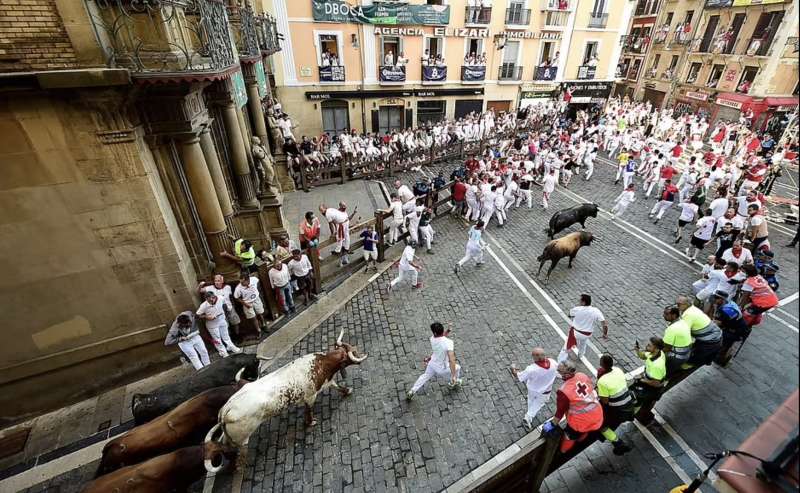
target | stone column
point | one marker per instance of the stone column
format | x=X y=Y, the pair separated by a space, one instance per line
x=254 y=103
x=241 y=166
x=215 y=169
x=201 y=185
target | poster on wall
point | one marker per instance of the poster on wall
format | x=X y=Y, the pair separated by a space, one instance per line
x=434 y=74
x=393 y=74
x=331 y=74
x=380 y=13
x=261 y=79
x=546 y=73
x=239 y=90
x=474 y=73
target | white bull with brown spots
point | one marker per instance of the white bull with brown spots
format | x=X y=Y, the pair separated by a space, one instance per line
x=297 y=382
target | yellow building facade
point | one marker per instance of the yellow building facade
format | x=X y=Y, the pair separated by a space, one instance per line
x=384 y=66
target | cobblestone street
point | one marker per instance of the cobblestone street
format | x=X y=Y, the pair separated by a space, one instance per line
x=375 y=441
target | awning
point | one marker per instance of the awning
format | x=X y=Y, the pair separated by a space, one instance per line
x=781 y=101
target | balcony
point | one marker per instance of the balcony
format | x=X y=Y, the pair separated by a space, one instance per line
x=651 y=74
x=243 y=21
x=518 y=16
x=267 y=33
x=758 y=47
x=331 y=74
x=682 y=37
x=598 y=21
x=661 y=35
x=587 y=72
x=164 y=38
x=477 y=16
x=700 y=45
x=555 y=20
x=392 y=74
x=473 y=74
x=668 y=74
x=555 y=5
x=434 y=74
x=509 y=72
x=637 y=45
x=545 y=72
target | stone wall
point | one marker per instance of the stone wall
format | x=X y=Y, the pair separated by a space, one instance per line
x=93 y=263
x=33 y=37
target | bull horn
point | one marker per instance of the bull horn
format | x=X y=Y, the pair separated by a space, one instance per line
x=211 y=468
x=339 y=340
x=239 y=375
x=354 y=359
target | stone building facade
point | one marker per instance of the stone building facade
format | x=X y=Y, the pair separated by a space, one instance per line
x=126 y=146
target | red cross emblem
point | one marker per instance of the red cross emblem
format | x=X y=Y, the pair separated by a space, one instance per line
x=581 y=389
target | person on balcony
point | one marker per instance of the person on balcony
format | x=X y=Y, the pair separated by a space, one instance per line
x=388 y=59
x=593 y=61
x=474 y=11
x=325 y=59
x=425 y=59
x=402 y=61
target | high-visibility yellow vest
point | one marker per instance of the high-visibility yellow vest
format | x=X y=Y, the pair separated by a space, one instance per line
x=613 y=386
x=655 y=369
x=248 y=257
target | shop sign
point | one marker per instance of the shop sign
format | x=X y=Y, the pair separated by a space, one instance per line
x=700 y=96
x=390 y=73
x=591 y=90
x=460 y=32
x=399 y=31
x=537 y=94
x=786 y=108
x=394 y=13
x=434 y=74
x=546 y=35
x=473 y=73
x=393 y=93
x=331 y=74
x=737 y=105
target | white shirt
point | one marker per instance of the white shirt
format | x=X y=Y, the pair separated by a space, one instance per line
x=407 y=258
x=705 y=228
x=300 y=268
x=285 y=125
x=549 y=183
x=585 y=318
x=743 y=204
x=248 y=294
x=745 y=256
x=688 y=211
x=736 y=222
x=215 y=311
x=538 y=379
x=396 y=208
x=440 y=346
x=224 y=294
x=336 y=216
x=279 y=278
x=719 y=207
x=626 y=198
x=405 y=193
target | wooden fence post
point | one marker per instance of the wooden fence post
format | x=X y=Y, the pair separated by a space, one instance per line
x=540 y=463
x=304 y=179
x=313 y=257
x=343 y=168
x=269 y=291
x=381 y=236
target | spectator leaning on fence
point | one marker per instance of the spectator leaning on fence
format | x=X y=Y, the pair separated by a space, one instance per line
x=302 y=274
x=244 y=255
x=247 y=294
x=280 y=279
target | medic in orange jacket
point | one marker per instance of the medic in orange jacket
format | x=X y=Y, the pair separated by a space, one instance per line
x=577 y=400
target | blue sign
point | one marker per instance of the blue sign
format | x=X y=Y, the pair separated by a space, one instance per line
x=434 y=74
x=389 y=73
x=473 y=73
x=331 y=74
x=546 y=73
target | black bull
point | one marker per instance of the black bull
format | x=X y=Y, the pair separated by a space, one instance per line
x=146 y=407
x=563 y=219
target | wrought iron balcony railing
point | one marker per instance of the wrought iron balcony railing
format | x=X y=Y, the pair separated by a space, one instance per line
x=598 y=21
x=758 y=47
x=331 y=73
x=164 y=37
x=555 y=20
x=268 y=36
x=477 y=15
x=518 y=16
x=510 y=71
x=243 y=20
x=561 y=5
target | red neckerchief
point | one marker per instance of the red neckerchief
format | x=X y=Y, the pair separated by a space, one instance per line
x=544 y=364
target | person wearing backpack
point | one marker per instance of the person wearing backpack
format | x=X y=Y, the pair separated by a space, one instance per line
x=667 y=199
x=755 y=296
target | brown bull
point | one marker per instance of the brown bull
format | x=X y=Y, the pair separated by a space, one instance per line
x=566 y=246
x=174 y=471
x=185 y=425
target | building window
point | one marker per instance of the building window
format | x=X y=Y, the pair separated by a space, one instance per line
x=434 y=51
x=764 y=33
x=694 y=72
x=390 y=118
x=435 y=2
x=599 y=7
x=590 y=53
x=475 y=54
x=746 y=81
x=688 y=18
x=549 y=54
x=715 y=75
x=654 y=67
x=633 y=73
x=391 y=47
x=710 y=32
x=429 y=112
x=328 y=50
x=335 y=117
x=668 y=20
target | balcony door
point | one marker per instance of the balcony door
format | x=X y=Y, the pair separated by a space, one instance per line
x=335 y=117
x=708 y=36
x=736 y=25
x=390 y=118
x=391 y=46
x=510 y=57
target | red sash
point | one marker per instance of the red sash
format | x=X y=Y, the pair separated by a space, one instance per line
x=572 y=341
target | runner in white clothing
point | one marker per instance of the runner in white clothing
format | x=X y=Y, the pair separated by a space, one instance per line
x=623 y=200
x=339 y=223
x=538 y=378
x=585 y=318
x=441 y=362
x=548 y=185
x=407 y=268
x=475 y=247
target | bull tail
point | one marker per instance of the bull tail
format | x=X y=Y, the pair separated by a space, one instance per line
x=209 y=463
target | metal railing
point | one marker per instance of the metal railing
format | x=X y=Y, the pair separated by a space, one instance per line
x=267 y=33
x=560 y=5
x=510 y=71
x=682 y=37
x=638 y=44
x=518 y=16
x=758 y=47
x=555 y=19
x=587 y=72
x=477 y=15
x=152 y=38
x=247 y=37
x=661 y=35
x=598 y=21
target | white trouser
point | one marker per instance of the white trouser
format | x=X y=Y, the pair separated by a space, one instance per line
x=500 y=214
x=650 y=186
x=222 y=340
x=394 y=229
x=472 y=252
x=685 y=190
x=619 y=172
x=536 y=400
x=195 y=351
x=589 y=169
x=410 y=274
x=413 y=232
x=487 y=214
x=582 y=342
x=619 y=208
x=427 y=235
x=699 y=286
x=432 y=371
x=473 y=210
x=545 y=199
x=344 y=241
x=660 y=208
x=627 y=178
